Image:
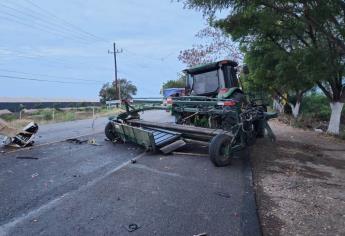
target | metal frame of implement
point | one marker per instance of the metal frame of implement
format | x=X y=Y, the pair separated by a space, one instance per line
x=167 y=137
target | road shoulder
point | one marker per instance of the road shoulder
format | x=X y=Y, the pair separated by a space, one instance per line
x=299 y=183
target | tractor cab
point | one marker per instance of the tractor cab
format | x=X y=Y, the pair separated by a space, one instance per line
x=217 y=80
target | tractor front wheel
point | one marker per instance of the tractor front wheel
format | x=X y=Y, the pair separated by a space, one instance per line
x=220 y=150
x=109 y=132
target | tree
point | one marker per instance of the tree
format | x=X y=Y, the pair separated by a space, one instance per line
x=273 y=70
x=108 y=90
x=178 y=83
x=217 y=46
x=313 y=29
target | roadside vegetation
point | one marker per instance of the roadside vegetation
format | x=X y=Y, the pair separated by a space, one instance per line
x=126 y=90
x=289 y=47
x=314 y=115
x=45 y=116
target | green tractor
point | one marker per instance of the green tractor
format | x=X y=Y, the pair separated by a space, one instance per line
x=214 y=97
x=214 y=111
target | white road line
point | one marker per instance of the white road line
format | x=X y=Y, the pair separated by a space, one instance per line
x=6 y=228
x=143 y=167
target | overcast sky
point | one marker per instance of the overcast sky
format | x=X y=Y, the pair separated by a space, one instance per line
x=67 y=42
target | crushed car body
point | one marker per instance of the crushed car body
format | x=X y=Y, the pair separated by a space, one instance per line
x=16 y=137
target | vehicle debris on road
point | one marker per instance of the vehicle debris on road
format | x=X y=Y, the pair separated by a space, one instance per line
x=94 y=142
x=202 y=234
x=28 y=158
x=88 y=141
x=76 y=141
x=132 y=227
x=34 y=175
x=224 y=195
x=18 y=138
x=190 y=154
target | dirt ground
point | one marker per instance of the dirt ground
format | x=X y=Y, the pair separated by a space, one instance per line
x=300 y=182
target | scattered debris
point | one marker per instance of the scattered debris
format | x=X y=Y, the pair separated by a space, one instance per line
x=88 y=141
x=202 y=234
x=132 y=227
x=106 y=139
x=221 y=194
x=133 y=161
x=76 y=141
x=190 y=154
x=93 y=142
x=28 y=158
x=34 y=175
x=18 y=138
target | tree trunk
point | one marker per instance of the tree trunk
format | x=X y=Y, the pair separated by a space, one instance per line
x=334 y=122
x=277 y=106
x=295 y=109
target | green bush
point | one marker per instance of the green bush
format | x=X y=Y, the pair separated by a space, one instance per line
x=68 y=116
x=316 y=106
x=8 y=117
x=47 y=114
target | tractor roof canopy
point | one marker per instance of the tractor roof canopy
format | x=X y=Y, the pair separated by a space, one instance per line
x=209 y=66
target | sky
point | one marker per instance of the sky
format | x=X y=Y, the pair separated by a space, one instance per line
x=59 y=49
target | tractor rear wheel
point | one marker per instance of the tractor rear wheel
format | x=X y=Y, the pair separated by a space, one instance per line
x=220 y=150
x=109 y=132
x=259 y=128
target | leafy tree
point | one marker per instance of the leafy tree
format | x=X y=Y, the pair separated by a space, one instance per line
x=217 y=45
x=312 y=31
x=108 y=90
x=276 y=71
x=178 y=83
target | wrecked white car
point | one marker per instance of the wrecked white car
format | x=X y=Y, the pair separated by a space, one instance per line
x=18 y=138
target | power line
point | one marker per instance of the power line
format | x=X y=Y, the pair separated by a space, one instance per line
x=39 y=80
x=13 y=18
x=42 y=22
x=65 y=21
x=45 y=15
x=52 y=76
x=54 y=62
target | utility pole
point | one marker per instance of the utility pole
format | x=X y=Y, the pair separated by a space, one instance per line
x=115 y=52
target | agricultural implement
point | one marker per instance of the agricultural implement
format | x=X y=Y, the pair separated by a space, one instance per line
x=214 y=112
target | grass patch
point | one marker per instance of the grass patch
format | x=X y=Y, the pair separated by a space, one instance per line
x=8 y=117
x=44 y=116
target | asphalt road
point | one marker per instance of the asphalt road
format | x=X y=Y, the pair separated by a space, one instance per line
x=84 y=189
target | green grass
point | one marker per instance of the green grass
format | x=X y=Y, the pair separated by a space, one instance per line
x=8 y=117
x=316 y=106
x=43 y=116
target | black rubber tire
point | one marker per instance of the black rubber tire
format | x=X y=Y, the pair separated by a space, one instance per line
x=215 y=148
x=109 y=133
x=259 y=129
